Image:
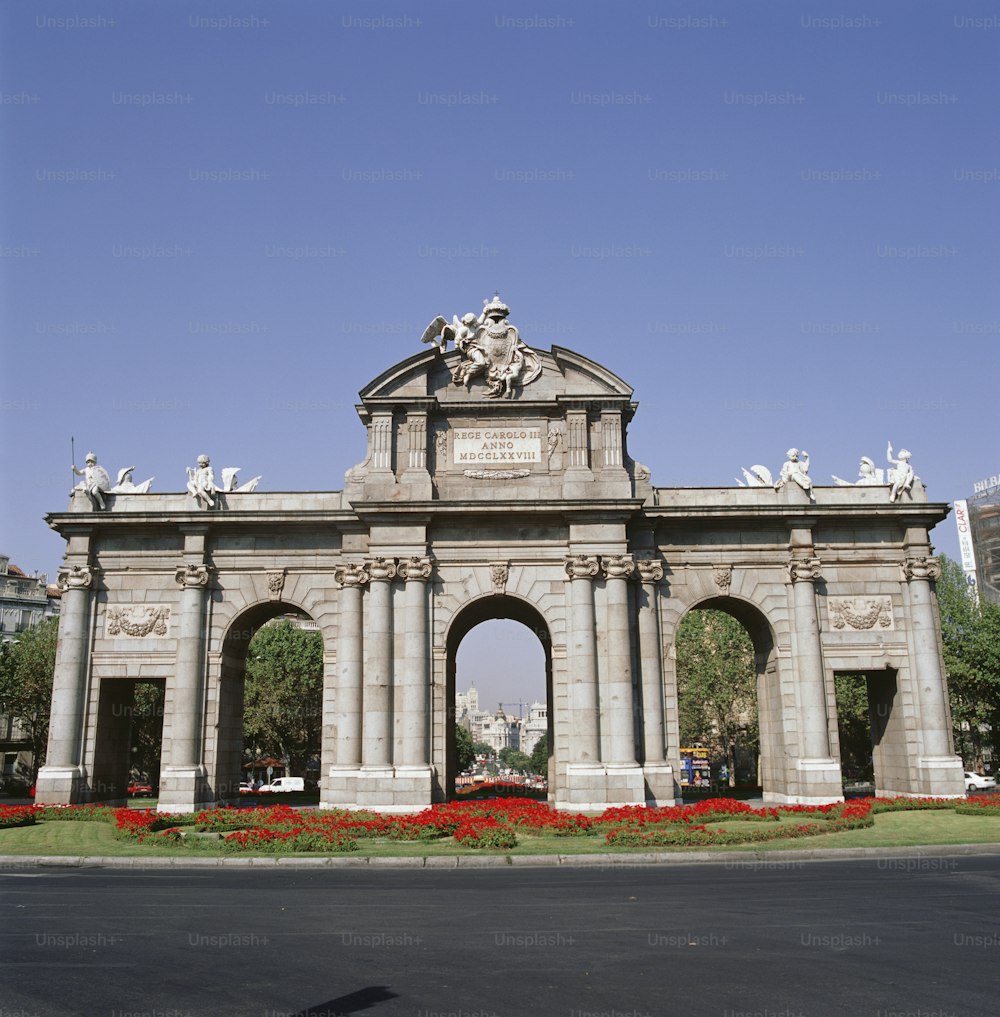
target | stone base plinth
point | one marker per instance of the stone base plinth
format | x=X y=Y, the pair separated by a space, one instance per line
x=661 y=783
x=61 y=785
x=939 y=777
x=593 y=787
x=819 y=783
x=394 y=789
x=184 y=789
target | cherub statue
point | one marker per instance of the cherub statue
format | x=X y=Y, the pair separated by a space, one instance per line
x=902 y=476
x=96 y=482
x=795 y=470
x=201 y=482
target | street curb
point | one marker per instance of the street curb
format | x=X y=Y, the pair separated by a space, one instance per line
x=645 y=859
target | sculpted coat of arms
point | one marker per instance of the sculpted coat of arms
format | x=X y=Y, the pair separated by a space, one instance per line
x=490 y=348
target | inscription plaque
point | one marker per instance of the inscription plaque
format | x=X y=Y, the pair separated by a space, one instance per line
x=505 y=445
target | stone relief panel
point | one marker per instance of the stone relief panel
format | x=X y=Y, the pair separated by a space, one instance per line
x=861 y=614
x=138 y=621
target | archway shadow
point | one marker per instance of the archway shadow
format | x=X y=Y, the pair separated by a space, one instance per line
x=353 y=1002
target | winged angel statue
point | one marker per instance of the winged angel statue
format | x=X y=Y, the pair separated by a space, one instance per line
x=490 y=347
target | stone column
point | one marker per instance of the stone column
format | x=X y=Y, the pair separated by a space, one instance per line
x=819 y=775
x=585 y=744
x=61 y=779
x=415 y=671
x=377 y=699
x=618 y=705
x=651 y=663
x=182 y=775
x=940 y=769
x=350 y=664
x=814 y=731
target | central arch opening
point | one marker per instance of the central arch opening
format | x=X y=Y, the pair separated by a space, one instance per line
x=499 y=693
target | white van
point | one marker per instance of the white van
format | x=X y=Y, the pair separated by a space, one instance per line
x=286 y=784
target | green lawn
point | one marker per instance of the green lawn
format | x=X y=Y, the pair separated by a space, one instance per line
x=894 y=829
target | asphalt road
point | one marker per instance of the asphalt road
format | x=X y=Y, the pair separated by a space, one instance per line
x=864 y=938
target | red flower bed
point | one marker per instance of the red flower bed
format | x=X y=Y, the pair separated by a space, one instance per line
x=131 y=824
x=17 y=815
x=493 y=824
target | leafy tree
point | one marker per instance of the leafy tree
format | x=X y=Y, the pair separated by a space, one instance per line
x=465 y=754
x=515 y=760
x=147 y=728
x=854 y=725
x=482 y=749
x=717 y=684
x=970 y=633
x=283 y=695
x=540 y=755
x=27 y=665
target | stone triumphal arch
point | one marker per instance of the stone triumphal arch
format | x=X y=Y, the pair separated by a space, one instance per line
x=498 y=483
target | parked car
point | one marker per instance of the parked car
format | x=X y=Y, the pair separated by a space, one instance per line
x=286 y=784
x=976 y=782
x=246 y=788
x=137 y=789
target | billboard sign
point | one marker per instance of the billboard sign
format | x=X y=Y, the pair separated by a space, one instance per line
x=965 y=536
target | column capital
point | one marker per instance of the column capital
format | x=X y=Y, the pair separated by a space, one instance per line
x=917 y=567
x=582 y=566
x=351 y=574
x=804 y=570
x=381 y=570
x=76 y=577
x=416 y=568
x=191 y=576
x=617 y=566
x=650 y=569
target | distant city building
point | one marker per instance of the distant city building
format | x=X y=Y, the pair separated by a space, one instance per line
x=466 y=703
x=534 y=727
x=24 y=600
x=978 y=522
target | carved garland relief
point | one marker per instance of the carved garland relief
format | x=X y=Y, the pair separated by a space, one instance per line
x=860 y=614
x=138 y=621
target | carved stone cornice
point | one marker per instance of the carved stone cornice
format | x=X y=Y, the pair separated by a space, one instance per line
x=76 y=577
x=190 y=577
x=650 y=569
x=804 y=570
x=499 y=573
x=275 y=583
x=920 y=567
x=382 y=570
x=582 y=566
x=352 y=575
x=723 y=576
x=618 y=566
x=416 y=569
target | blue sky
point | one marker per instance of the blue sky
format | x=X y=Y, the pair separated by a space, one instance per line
x=777 y=221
